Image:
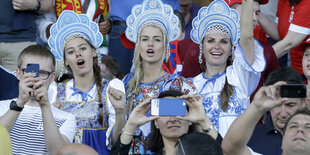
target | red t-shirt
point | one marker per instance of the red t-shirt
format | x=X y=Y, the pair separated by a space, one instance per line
x=259 y=34
x=296 y=19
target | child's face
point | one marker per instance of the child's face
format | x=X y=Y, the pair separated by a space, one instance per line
x=306 y=62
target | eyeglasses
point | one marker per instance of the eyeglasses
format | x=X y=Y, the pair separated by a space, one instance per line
x=42 y=73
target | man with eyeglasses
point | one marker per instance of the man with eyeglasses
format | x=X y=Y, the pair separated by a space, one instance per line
x=35 y=126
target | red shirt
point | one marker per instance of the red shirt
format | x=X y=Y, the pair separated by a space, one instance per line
x=298 y=22
x=259 y=34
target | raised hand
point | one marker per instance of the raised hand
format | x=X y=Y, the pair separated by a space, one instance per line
x=26 y=89
x=41 y=93
x=117 y=98
x=268 y=97
x=138 y=115
x=196 y=112
x=105 y=26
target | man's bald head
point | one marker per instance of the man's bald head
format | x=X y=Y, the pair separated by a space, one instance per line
x=77 y=149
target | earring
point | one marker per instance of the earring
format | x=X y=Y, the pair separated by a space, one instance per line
x=200 y=54
x=168 y=53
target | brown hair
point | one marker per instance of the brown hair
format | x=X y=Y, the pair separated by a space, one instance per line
x=228 y=90
x=98 y=81
x=36 y=50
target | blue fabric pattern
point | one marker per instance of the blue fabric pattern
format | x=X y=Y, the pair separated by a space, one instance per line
x=87 y=117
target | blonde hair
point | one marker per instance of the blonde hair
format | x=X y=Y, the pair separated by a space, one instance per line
x=134 y=83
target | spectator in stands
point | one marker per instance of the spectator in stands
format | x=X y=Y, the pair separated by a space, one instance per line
x=17 y=28
x=110 y=69
x=9 y=84
x=198 y=144
x=305 y=46
x=296 y=134
x=189 y=10
x=97 y=104
x=77 y=149
x=120 y=10
x=265 y=138
x=292 y=27
x=166 y=130
x=96 y=10
x=270 y=56
x=151 y=30
x=36 y=127
x=226 y=85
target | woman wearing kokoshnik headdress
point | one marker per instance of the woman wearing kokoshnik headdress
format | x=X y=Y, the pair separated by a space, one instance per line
x=226 y=84
x=151 y=26
x=98 y=105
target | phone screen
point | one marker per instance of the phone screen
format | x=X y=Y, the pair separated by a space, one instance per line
x=33 y=68
x=168 y=107
x=293 y=91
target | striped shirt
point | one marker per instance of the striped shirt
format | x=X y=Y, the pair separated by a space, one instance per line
x=27 y=136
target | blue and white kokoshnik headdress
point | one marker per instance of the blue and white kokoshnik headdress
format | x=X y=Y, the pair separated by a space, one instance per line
x=216 y=18
x=70 y=25
x=152 y=13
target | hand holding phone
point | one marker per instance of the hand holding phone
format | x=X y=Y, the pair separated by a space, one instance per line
x=168 y=107
x=293 y=91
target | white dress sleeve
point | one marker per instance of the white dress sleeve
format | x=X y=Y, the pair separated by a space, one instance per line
x=119 y=85
x=52 y=92
x=4 y=106
x=68 y=127
x=244 y=75
x=252 y=152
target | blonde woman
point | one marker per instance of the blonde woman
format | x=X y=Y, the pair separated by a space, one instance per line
x=152 y=26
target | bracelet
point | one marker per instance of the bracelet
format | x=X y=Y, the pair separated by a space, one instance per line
x=126 y=133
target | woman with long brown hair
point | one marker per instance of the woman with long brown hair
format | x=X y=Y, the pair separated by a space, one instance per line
x=97 y=104
x=232 y=64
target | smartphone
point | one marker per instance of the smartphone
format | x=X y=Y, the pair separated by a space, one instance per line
x=293 y=91
x=168 y=107
x=33 y=68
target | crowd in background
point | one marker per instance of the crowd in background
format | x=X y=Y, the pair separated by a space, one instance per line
x=101 y=63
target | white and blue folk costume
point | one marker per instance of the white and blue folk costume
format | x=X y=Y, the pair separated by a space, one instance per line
x=85 y=106
x=153 y=13
x=242 y=76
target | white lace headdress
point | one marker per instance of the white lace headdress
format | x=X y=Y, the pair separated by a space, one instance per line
x=70 y=25
x=216 y=18
x=152 y=13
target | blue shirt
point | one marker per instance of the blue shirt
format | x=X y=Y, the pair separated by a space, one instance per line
x=121 y=9
x=8 y=85
x=16 y=26
x=266 y=139
x=194 y=11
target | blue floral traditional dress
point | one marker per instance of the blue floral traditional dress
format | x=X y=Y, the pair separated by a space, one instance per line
x=153 y=89
x=244 y=79
x=85 y=107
